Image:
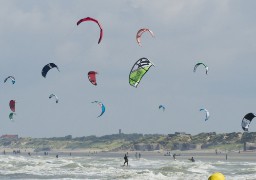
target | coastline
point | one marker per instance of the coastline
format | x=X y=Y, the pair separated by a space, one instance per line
x=91 y=151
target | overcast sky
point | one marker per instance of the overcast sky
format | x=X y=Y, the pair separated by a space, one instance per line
x=220 y=33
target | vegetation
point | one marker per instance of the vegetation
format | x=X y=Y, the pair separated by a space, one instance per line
x=115 y=142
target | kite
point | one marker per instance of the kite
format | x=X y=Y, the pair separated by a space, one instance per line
x=207 y=115
x=198 y=64
x=162 y=107
x=10 y=77
x=12 y=105
x=102 y=107
x=92 y=77
x=247 y=120
x=56 y=98
x=140 y=32
x=94 y=20
x=138 y=70
x=47 y=67
x=11 y=116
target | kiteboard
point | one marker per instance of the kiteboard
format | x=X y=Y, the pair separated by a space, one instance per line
x=125 y=166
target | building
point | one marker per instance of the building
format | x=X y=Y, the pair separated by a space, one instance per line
x=178 y=134
x=9 y=136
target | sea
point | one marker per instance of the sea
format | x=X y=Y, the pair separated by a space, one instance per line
x=109 y=166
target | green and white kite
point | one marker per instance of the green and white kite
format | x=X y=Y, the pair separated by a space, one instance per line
x=139 y=69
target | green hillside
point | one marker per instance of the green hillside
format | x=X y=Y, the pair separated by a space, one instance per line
x=148 y=142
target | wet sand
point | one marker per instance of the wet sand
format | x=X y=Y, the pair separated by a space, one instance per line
x=249 y=156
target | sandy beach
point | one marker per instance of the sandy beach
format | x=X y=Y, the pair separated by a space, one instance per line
x=182 y=155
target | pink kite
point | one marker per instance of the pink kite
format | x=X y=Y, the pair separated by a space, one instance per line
x=94 y=20
x=140 y=32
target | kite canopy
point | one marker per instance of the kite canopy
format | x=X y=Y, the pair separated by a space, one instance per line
x=140 y=32
x=11 y=115
x=94 y=20
x=10 y=77
x=92 y=77
x=56 y=98
x=12 y=105
x=198 y=64
x=102 y=107
x=247 y=120
x=47 y=67
x=138 y=70
x=162 y=107
x=207 y=115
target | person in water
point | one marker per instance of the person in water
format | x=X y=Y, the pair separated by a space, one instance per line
x=125 y=159
x=192 y=159
x=174 y=156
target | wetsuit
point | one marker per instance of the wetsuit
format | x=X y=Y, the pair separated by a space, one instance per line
x=125 y=159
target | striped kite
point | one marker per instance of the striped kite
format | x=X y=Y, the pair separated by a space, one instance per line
x=139 y=69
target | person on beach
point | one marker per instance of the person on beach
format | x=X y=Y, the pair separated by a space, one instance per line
x=125 y=159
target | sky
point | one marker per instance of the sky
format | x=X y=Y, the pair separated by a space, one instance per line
x=220 y=33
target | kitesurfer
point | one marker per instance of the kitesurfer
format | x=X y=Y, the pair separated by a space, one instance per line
x=174 y=156
x=125 y=159
x=192 y=159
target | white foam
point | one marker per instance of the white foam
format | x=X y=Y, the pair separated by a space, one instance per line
x=94 y=167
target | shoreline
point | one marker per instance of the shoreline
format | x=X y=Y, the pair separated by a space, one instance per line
x=100 y=151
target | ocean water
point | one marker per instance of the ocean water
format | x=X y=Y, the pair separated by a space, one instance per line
x=108 y=166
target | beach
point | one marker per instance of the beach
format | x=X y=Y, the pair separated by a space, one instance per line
x=88 y=164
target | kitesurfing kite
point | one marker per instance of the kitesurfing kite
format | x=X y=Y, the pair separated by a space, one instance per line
x=56 y=98
x=11 y=115
x=92 y=77
x=138 y=70
x=247 y=120
x=207 y=115
x=47 y=67
x=11 y=78
x=140 y=32
x=102 y=107
x=12 y=105
x=162 y=107
x=198 y=64
x=94 y=20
